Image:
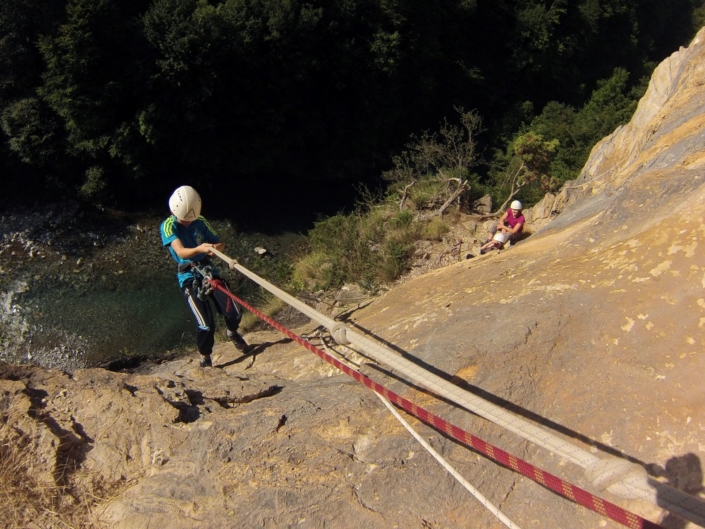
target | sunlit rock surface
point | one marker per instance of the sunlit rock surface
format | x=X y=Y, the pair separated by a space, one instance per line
x=594 y=326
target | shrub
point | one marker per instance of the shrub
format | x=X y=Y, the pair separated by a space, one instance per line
x=374 y=243
x=428 y=193
x=395 y=255
x=364 y=247
x=94 y=185
x=311 y=271
x=402 y=220
x=435 y=229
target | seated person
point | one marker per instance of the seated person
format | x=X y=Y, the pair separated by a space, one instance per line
x=506 y=230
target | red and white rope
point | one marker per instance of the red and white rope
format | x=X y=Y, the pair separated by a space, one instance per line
x=618 y=476
x=565 y=489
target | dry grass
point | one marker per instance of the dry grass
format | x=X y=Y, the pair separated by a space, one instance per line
x=435 y=229
x=310 y=268
x=270 y=306
x=28 y=503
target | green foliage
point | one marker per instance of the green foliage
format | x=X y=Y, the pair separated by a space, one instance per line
x=223 y=93
x=312 y=270
x=402 y=220
x=427 y=193
x=559 y=140
x=610 y=105
x=90 y=69
x=395 y=252
x=536 y=156
x=364 y=247
x=94 y=185
x=373 y=244
x=31 y=130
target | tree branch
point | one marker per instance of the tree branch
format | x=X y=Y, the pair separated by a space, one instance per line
x=462 y=186
x=406 y=194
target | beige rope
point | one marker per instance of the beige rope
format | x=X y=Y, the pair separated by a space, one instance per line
x=618 y=476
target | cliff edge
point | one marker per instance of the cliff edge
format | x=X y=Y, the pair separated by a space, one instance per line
x=593 y=327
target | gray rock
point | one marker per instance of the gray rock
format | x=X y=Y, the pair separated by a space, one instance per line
x=483 y=205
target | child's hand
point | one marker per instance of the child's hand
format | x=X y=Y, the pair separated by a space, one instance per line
x=206 y=248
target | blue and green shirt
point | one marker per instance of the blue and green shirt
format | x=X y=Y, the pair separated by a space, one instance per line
x=195 y=234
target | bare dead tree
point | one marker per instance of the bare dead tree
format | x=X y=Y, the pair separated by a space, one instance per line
x=462 y=186
x=515 y=186
x=405 y=195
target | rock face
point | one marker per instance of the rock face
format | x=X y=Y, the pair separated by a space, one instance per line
x=593 y=327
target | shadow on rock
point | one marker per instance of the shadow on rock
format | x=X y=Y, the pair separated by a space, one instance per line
x=683 y=473
x=652 y=469
x=73 y=446
x=253 y=352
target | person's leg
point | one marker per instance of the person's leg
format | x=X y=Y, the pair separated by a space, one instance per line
x=492 y=245
x=232 y=314
x=205 y=323
x=491 y=232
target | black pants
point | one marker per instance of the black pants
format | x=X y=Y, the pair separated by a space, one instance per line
x=205 y=320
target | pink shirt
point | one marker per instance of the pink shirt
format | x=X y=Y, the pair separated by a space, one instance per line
x=513 y=221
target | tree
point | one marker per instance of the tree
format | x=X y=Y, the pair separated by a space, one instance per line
x=441 y=161
x=32 y=142
x=533 y=156
x=611 y=104
x=239 y=92
x=21 y=24
x=93 y=81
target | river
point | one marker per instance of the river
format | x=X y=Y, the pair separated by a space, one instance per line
x=80 y=288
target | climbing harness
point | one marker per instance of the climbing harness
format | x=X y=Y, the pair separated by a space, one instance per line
x=202 y=279
x=618 y=476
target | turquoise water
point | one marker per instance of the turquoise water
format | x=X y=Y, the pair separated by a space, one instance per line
x=113 y=308
x=151 y=320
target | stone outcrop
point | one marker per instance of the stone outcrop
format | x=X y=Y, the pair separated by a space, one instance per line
x=593 y=327
x=665 y=132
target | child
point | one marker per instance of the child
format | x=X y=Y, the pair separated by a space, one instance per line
x=190 y=238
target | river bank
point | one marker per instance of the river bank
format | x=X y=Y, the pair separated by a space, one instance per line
x=83 y=286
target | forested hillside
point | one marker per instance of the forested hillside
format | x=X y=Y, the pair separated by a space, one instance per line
x=120 y=101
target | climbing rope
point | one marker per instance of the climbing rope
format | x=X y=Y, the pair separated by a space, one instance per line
x=438 y=457
x=472 y=490
x=618 y=476
x=546 y=479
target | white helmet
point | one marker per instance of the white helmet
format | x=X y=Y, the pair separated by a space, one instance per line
x=515 y=205
x=185 y=203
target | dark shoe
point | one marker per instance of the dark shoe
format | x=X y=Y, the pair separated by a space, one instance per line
x=206 y=361
x=483 y=251
x=239 y=342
